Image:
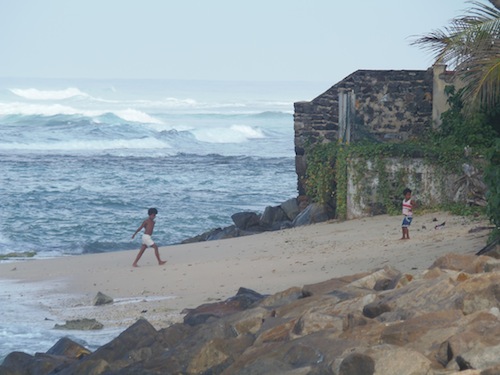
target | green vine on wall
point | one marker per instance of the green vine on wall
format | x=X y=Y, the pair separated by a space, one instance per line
x=320 y=181
x=327 y=173
x=341 y=179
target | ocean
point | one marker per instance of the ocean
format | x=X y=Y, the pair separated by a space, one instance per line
x=81 y=161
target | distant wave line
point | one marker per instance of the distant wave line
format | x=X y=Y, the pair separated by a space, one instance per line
x=128 y=114
x=36 y=94
x=168 y=102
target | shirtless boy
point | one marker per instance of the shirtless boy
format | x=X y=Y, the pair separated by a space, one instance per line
x=147 y=241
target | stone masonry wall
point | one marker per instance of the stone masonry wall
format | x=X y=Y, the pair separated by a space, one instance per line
x=429 y=185
x=390 y=105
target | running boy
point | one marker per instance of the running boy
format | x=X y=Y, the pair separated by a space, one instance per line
x=408 y=205
x=147 y=241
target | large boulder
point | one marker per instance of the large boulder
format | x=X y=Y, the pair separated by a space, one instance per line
x=314 y=213
x=245 y=220
x=68 y=348
x=273 y=218
x=290 y=208
x=243 y=300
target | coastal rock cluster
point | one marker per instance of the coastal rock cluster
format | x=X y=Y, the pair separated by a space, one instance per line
x=291 y=213
x=444 y=320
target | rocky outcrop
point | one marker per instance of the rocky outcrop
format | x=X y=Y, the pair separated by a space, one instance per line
x=291 y=213
x=445 y=320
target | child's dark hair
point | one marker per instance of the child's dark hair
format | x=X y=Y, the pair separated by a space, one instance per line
x=406 y=191
x=152 y=211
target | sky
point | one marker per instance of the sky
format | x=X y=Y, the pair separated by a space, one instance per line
x=230 y=40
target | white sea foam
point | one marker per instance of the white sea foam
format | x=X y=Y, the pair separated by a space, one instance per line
x=233 y=134
x=24 y=109
x=134 y=115
x=36 y=94
x=35 y=331
x=90 y=145
x=17 y=108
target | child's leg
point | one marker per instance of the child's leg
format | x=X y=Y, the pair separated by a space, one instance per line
x=157 y=253
x=406 y=223
x=141 y=251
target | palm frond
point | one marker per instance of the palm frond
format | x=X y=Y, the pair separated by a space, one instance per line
x=470 y=45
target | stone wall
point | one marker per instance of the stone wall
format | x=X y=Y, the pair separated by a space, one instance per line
x=389 y=105
x=429 y=185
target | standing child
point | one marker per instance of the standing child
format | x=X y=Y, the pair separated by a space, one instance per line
x=408 y=205
x=147 y=241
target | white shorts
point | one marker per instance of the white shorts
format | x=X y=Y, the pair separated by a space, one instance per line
x=147 y=240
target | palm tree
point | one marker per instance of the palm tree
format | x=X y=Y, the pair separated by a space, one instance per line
x=470 y=45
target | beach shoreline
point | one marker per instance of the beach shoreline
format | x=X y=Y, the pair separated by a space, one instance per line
x=267 y=263
x=212 y=271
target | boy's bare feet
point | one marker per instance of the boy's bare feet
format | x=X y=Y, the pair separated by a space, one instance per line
x=162 y=262
x=135 y=265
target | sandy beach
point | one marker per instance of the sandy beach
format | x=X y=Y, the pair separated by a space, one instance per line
x=210 y=271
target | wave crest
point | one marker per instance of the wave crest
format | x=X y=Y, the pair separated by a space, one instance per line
x=131 y=115
x=36 y=94
x=233 y=134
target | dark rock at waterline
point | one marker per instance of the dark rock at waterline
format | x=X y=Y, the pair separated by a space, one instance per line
x=246 y=220
x=68 y=348
x=80 y=325
x=313 y=213
x=271 y=216
x=289 y=214
x=291 y=208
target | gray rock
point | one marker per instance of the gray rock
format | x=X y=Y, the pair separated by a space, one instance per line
x=314 y=213
x=80 y=325
x=245 y=220
x=357 y=364
x=102 y=299
x=272 y=216
x=291 y=208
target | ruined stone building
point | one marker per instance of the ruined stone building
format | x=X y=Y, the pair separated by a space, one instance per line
x=381 y=105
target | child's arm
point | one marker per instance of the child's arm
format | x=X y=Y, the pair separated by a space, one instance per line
x=138 y=229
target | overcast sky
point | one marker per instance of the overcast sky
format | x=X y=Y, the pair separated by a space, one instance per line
x=250 y=40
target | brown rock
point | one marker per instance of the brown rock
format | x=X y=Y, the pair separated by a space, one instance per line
x=357 y=364
x=275 y=329
x=382 y=279
x=249 y=321
x=331 y=285
x=68 y=348
x=312 y=322
x=387 y=360
x=458 y=262
x=243 y=300
x=422 y=331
